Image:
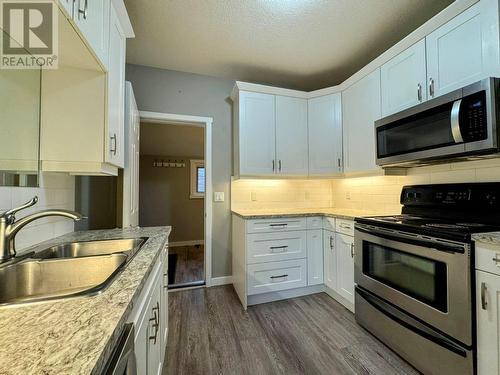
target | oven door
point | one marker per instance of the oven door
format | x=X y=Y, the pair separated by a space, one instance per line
x=428 y=279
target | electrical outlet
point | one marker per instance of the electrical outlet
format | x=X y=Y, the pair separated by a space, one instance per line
x=218 y=196
x=348 y=195
x=253 y=196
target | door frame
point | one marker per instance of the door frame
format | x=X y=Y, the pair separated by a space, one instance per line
x=206 y=123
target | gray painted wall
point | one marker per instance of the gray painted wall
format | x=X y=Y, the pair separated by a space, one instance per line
x=164 y=199
x=162 y=90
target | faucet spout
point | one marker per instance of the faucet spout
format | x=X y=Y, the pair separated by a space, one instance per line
x=9 y=228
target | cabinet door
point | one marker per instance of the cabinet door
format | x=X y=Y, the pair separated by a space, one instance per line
x=456 y=52
x=92 y=18
x=164 y=306
x=291 y=136
x=131 y=161
x=325 y=135
x=361 y=107
x=68 y=5
x=141 y=344
x=345 y=266
x=116 y=92
x=403 y=80
x=488 y=329
x=329 y=260
x=155 y=328
x=257 y=134
x=314 y=257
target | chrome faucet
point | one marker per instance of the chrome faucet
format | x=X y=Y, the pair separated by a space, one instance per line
x=9 y=227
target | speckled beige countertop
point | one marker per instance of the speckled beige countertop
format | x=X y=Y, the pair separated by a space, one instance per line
x=77 y=335
x=492 y=238
x=341 y=213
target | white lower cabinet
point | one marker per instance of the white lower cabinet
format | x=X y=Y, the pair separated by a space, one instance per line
x=315 y=257
x=488 y=317
x=345 y=266
x=150 y=317
x=276 y=276
x=338 y=250
x=329 y=259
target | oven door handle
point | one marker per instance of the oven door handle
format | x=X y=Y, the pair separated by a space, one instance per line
x=412 y=239
x=410 y=323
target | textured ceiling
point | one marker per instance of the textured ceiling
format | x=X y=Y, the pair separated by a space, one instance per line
x=172 y=140
x=301 y=44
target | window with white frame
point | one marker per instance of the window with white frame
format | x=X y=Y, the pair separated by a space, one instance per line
x=197 y=179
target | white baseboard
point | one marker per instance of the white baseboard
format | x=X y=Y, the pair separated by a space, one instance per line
x=224 y=280
x=186 y=243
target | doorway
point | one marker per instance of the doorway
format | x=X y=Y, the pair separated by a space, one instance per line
x=175 y=189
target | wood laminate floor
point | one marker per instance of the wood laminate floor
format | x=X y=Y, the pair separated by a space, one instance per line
x=209 y=333
x=190 y=260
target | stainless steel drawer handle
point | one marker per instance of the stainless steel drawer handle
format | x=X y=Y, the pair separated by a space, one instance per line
x=278 y=225
x=419 y=92
x=279 y=277
x=431 y=87
x=352 y=250
x=484 y=303
x=113 y=139
x=496 y=260
x=345 y=226
x=331 y=242
x=279 y=165
x=282 y=248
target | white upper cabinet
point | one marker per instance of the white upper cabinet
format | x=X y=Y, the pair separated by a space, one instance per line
x=291 y=136
x=116 y=92
x=360 y=108
x=68 y=5
x=462 y=51
x=92 y=18
x=257 y=138
x=403 y=80
x=325 y=135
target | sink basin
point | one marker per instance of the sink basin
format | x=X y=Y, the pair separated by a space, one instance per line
x=90 y=248
x=34 y=280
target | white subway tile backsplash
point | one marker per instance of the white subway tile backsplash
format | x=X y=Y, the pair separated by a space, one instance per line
x=55 y=191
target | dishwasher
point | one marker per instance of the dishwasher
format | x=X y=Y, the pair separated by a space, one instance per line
x=122 y=360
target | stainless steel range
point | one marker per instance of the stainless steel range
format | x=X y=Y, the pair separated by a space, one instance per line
x=413 y=271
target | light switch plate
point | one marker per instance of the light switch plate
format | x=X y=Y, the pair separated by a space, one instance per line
x=218 y=196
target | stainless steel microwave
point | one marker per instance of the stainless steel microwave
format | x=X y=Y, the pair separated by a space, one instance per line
x=463 y=123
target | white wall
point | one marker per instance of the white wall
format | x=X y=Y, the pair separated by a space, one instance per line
x=55 y=191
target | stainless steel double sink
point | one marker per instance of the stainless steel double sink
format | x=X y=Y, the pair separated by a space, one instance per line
x=67 y=270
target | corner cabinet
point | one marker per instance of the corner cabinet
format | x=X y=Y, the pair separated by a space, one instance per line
x=325 y=135
x=360 y=108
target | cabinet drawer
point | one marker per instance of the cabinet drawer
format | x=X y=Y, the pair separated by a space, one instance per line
x=276 y=225
x=315 y=222
x=488 y=259
x=268 y=247
x=276 y=276
x=329 y=223
x=344 y=227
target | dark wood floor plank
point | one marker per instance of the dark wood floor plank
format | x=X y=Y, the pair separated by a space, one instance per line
x=190 y=263
x=210 y=333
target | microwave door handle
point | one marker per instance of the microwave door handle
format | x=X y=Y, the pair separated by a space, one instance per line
x=455 y=122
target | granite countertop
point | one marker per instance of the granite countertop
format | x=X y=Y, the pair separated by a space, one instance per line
x=492 y=238
x=77 y=335
x=273 y=213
